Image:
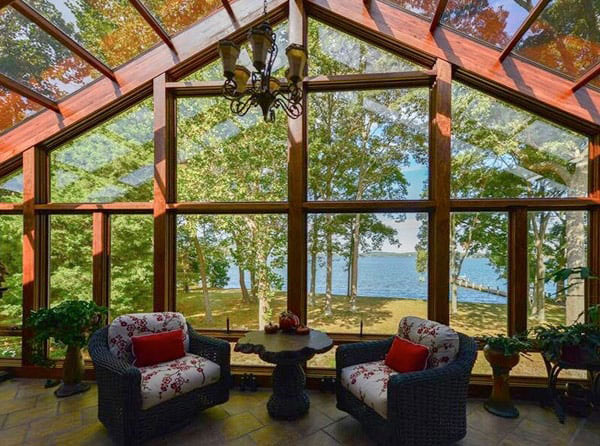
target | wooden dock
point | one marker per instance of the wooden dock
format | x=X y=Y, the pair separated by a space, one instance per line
x=466 y=283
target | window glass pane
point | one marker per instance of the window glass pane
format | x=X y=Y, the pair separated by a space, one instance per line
x=334 y=52
x=530 y=365
x=113 y=30
x=11 y=270
x=10 y=347
x=368 y=145
x=565 y=37
x=70 y=258
x=224 y=157
x=14 y=109
x=246 y=359
x=493 y=21
x=176 y=15
x=366 y=267
x=499 y=151
x=231 y=266
x=556 y=240
x=11 y=187
x=214 y=71
x=131 y=264
x=324 y=360
x=478 y=272
x=30 y=56
x=426 y=8
x=113 y=162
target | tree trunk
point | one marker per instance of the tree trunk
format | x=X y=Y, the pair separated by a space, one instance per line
x=245 y=294
x=263 y=290
x=540 y=267
x=253 y=284
x=354 y=263
x=453 y=273
x=329 y=267
x=575 y=236
x=202 y=263
x=313 y=264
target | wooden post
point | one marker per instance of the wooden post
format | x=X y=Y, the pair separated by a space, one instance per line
x=35 y=240
x=297 y=173
x=439 y=190
x=517 y=271
x=593 y=287
x=165 y=167
x=101 y=259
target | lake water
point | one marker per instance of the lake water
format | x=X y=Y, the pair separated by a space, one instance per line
x=396 y=276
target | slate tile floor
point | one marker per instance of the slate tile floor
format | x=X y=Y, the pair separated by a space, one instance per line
x=31 y=415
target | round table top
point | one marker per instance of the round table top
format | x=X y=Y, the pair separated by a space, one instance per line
x=284 y=343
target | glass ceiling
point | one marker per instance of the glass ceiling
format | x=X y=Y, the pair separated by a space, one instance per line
x=564 y=38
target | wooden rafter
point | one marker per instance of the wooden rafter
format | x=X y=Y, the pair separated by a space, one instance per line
x=586 y=77
x=34 y=16
x=153 y=22
x=4 y=3
x=437 y=16
x=27 y=92
x=533 y=15
x=229 y=9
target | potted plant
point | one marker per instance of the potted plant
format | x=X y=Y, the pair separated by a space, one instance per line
x=70 y=324
x=3 y=274
x=503 y=354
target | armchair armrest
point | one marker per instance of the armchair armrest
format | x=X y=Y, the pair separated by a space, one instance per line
x=360 y=352
x=216 y=350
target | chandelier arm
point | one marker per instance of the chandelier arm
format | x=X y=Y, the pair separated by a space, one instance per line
x=241 y=106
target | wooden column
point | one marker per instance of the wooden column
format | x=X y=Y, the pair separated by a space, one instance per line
x=165 y=167
x=439 y=190
x=593 y=287
x=35 y=239
x=297 y=173
x=101 y=259
x=517 y=271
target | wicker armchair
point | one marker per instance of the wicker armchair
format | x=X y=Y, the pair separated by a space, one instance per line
x=423 y=408
x=119 y=396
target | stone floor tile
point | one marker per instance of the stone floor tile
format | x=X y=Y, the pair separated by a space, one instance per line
x=13 y=436
x=585 y=437
x=275 y=434
x=481 y=420
x=53 y=425
x=238 y=425
x=91 y=435
x=319 y=438
x=25 y=416
x=536 y=432
x=348 y=431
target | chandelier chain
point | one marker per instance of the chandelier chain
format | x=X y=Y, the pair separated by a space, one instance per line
x=265 y=7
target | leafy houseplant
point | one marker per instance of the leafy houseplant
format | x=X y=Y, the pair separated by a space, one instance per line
x=503 y=354
x=70 y=324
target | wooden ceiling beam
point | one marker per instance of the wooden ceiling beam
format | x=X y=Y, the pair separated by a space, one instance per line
x=153 y=22
x=586 y=77
x=437 y=16
x=27 y=92
x=4 y=3
x=47 y=26
x=516 y=81
x=533 y=15
x=229 y=9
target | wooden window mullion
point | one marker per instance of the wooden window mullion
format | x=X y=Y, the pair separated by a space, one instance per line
x=517 y=271
x=593 y=287
x=101 y=258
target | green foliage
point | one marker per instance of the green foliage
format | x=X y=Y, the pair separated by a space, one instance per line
x=217 y=273
x=509 y=345
x=552 y=339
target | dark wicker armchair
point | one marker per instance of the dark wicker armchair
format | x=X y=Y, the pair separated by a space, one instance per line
x=423 y=408
x=120 y=401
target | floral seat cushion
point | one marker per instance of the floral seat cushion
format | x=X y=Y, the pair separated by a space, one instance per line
x=161 y=382
x=369 y=383
x=123 y=328
x=442 y=341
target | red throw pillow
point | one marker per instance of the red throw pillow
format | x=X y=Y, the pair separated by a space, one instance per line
x=158 y=347
x=405 y=356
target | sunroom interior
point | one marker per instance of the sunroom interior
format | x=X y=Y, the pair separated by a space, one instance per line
x=447 y=160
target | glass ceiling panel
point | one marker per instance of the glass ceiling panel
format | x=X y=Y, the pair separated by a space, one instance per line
x=493 y=21
x=566 y=37
x=426 y=8
x=112 y=30
x=32 y=57
x=176 y=15
x=595 y=82
x=14 y=108
x=11 y=187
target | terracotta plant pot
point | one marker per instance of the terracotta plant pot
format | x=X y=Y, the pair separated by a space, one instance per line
x=73 y=369
x=500 y=402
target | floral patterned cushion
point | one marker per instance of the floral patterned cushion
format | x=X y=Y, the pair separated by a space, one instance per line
x=123 y=328
x=442 y=341
x=369 y=383
x=161 y=382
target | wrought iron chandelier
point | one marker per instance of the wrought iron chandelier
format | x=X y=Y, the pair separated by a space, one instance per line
x=263 y=90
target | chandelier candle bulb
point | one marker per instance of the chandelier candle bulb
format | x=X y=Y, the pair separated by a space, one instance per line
x=274 y=84
x=296 y=55
x=241 y=76
x=261 y=40
x=229 y=53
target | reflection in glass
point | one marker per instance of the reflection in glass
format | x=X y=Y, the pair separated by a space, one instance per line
x=11 y=187
x=14 y=109
x=425 y=8
x=30 y=56
x=557 y=239
x=565 y=37
x=176 y=15
x=334 y=52
x=499 y=151
x=131 y=264
x=368 y=145
x=111 y=30
x=493 y=21
x=11 y=261
x=223 y=157
x=231 y=267
x=478 y=272
x=113 y=162
x=70 y=258
x=366 y=267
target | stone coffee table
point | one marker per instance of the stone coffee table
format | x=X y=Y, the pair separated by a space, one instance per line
x=287 y=351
